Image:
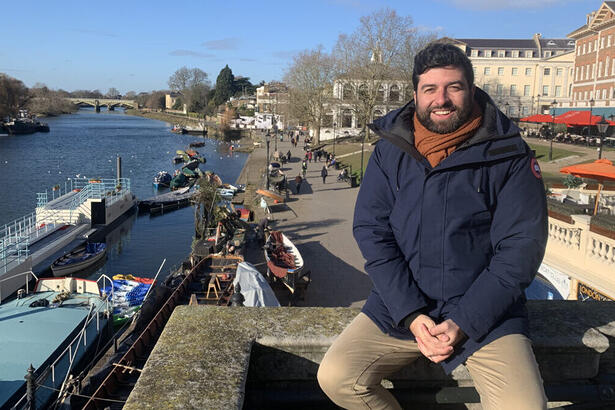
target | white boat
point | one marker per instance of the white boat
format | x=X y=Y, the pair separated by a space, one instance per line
x=284 y=260
x=79 y=258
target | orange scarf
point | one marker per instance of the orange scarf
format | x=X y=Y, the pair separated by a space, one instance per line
x=435 y=147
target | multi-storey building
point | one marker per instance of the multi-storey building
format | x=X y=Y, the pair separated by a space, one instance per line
x=523 y=76
x=594 y=74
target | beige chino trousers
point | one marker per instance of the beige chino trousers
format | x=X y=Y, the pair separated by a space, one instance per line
x=505 y=372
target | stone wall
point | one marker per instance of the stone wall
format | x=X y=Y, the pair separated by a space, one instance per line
x=237 y=357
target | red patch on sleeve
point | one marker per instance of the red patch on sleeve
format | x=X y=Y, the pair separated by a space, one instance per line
x=535 y=168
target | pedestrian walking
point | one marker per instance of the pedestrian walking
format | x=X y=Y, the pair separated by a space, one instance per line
x=310 y=156
x=298 y=182
x=288 y=156
x=304 y=168
x=323 y=174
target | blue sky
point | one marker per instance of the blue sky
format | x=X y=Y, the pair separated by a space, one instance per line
x=136 y=45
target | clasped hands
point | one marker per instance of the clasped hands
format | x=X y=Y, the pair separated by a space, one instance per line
x=436 y=341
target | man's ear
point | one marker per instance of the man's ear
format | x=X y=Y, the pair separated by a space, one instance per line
x=414 y=96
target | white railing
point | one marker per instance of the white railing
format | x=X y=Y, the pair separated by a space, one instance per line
x=27 y=275
x=584 y=255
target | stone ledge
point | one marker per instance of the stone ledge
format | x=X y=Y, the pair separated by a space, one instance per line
x=205 y=353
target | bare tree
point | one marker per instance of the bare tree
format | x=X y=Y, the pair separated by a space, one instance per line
x=14 y=96
x=380 y=51
x=185 y=78
x=310 y=81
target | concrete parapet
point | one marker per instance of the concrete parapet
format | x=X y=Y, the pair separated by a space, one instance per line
x=231 y=357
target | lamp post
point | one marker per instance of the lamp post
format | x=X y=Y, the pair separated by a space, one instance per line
x=589 y=128
x=267 y=140
x=506 y=107
x=538 y=104
x=602 y=127
x=334 y=124
x=553 y=105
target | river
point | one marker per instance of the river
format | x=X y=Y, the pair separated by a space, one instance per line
x=86 y=144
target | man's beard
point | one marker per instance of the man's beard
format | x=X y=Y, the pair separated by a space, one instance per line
x=459 y=116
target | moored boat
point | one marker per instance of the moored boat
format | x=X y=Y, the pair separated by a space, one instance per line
x=79 y=258
x=178 y=129
x=54 y=330
x=284 y=260
x=162 y=179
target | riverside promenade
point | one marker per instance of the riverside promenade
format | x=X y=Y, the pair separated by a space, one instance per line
x=319 y=222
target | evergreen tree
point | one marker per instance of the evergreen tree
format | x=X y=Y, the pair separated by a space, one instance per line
x=224 y=86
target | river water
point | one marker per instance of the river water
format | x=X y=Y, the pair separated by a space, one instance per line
x=86 y=144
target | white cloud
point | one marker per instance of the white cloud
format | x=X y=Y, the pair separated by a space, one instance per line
x=222 y=44
x=506 y=4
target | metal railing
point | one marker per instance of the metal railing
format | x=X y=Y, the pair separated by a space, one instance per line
x=16 y=236
x=27 y=274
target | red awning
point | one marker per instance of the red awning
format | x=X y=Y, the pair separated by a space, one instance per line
x=538 y=118
x=600 y=170
x=579 y=118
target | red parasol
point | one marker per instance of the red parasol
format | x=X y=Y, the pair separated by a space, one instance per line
x=579 y=118
x=538 y=118
x=600 y=170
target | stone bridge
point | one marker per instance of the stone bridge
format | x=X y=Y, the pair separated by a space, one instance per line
x=108 y=102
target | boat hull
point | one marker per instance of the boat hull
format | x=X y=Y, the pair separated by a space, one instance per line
x=59 y=269
x=49 y=337
x=290 y=277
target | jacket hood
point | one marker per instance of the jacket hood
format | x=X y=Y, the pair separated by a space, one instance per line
x=397 y=125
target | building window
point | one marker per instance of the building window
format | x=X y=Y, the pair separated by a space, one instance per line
x=486 y=88
x=513 y=90
x=558 y=90
x=559 y=71
x=380 y=94
x=596 y=45
x=474 y=53
x=487 y=70
x=606 y=66
x=585 y=95
x=499 y=89
x=589 y=47
x=347 y=118
x=525 y=110
x=613 y=93
x=394 y=93
x=602 y=42
x=500 y=70
x=529 y=54
x=545 y=90
x=579 y=50
x=515 y=53
x=608 y=41
x=487 y=53
x=501 y=53
x=363 y=91
x=600 y=69
x=347 y=92
x=547 y=71
x=327 y=120
x=593 y=70
x=515 y=71
x=528 y=71
x=547 y=54
x=583 y=48
x=604 y=93
x=526 y=90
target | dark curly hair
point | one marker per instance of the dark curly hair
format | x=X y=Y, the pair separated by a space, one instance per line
x=441 y=54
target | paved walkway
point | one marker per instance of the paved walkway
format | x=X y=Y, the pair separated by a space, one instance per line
x=319 y=222
x=585 y=154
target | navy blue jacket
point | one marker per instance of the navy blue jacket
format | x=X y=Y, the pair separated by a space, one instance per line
x=461 y=240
